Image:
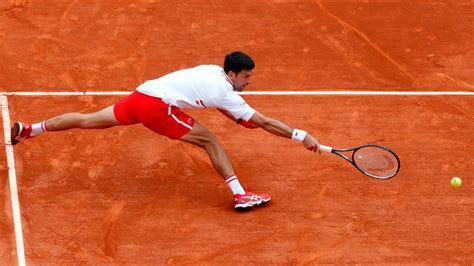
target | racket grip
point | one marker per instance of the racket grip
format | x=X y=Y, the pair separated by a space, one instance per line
x=325 y=148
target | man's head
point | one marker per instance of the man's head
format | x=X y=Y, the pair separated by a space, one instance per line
x=238 y=66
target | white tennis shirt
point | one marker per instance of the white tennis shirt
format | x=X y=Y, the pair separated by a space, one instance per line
x=204 y=86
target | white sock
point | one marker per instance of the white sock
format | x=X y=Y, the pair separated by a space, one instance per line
x=38 y=128
x=234 y=185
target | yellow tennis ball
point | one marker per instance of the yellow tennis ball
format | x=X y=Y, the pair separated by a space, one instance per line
x=456 y=181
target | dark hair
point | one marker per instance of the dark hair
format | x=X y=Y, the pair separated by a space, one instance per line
x=238 y=61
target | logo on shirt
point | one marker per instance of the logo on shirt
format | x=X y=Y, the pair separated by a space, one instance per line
x=190 y=120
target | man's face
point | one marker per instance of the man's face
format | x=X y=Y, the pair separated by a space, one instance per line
x=241 y=80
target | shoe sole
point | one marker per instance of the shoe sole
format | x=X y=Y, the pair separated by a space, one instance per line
x=15 y=131
x=249 y=205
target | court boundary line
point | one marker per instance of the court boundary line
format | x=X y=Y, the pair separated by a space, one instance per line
x=20 y=248
x=269 y=93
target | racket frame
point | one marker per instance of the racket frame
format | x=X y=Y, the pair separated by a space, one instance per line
x=352 y=161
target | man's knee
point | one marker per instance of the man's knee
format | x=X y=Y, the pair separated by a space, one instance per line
x=91 y=121
x=212 y=139
x=97 y=120
x=207 y=139
x=201 y=136
x=85 y=120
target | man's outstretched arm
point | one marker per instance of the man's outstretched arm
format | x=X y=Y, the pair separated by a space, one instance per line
x=280 y=129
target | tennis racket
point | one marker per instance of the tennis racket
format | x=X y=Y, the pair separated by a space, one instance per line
x=372 y=160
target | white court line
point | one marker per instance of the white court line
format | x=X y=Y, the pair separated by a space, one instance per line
x=329 y=93
x=362 y=93
x=20 y=249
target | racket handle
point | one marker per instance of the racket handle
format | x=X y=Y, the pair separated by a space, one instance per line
x=325 y=148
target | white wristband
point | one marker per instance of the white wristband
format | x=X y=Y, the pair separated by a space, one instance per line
x=298 y=135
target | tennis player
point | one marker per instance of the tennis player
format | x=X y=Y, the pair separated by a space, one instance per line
x=157 y=104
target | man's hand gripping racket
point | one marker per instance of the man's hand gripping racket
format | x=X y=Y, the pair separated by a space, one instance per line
x=372 y=160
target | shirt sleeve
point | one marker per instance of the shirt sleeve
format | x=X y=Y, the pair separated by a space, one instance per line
x=236 y=105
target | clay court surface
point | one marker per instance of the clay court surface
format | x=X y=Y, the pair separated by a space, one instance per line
x=127 y=196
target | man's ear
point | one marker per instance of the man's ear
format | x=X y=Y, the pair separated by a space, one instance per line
x=231 y=74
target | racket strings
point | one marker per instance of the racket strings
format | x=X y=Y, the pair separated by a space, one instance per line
x=376 y=161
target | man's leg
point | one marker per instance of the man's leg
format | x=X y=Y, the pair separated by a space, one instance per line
x=104 y=118
x=203 y=138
